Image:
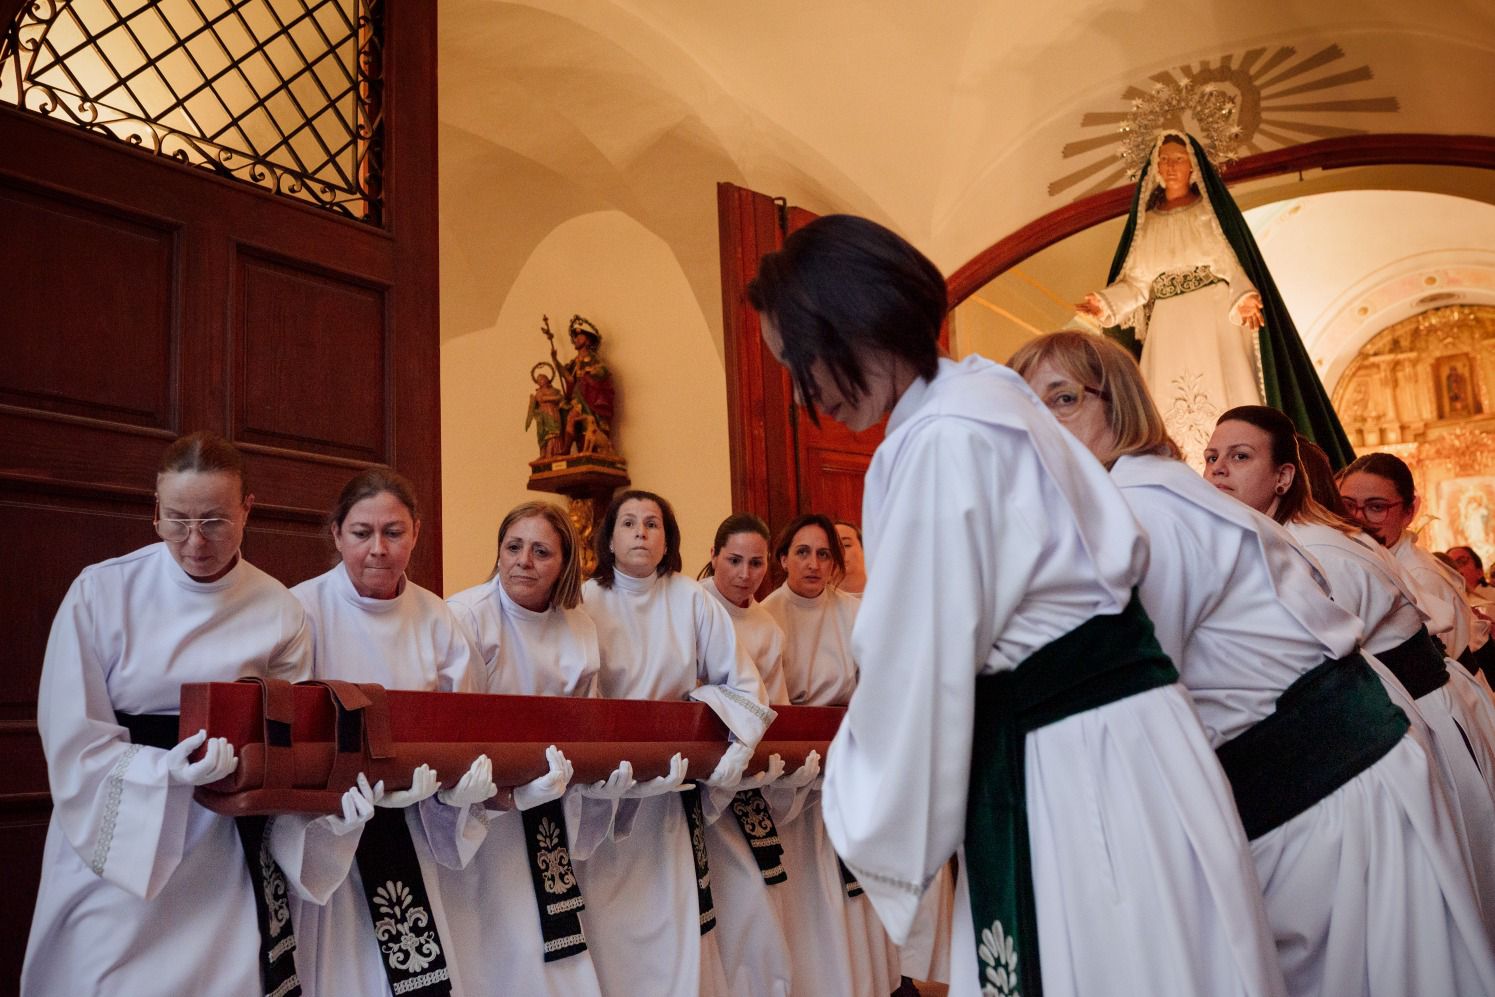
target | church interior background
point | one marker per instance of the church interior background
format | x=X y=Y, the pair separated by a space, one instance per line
x=580 y=143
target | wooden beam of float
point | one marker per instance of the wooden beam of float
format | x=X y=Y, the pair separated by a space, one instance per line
x=300 y=747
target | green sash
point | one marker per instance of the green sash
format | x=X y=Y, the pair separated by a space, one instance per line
x=1330 y=725
x=1105 y=659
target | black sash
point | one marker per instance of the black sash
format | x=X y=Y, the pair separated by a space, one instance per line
x=690 y=799
x=1330 y=725
x=753 y=816
x=557 y=894
x=1417 y=663
x=849 y=881
x=1482 y=660
x=268 y=884
x=414 y=960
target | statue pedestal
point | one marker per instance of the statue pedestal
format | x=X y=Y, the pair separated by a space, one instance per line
x=588 y=481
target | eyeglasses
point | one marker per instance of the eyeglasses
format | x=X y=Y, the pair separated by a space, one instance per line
x=1065 y=402
x=1372 y=510
x=177 y=530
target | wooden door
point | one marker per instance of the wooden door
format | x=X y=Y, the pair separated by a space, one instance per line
x=782 y=463
x=144 y=298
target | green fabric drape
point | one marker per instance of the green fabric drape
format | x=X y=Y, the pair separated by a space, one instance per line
x=1288 y=377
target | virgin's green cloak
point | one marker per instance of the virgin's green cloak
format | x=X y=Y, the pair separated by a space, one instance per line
x=1290 y=382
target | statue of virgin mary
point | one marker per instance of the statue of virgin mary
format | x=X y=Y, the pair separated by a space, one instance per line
x=1189 y=285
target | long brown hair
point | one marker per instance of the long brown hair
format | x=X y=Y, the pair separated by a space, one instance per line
x=1297 y=504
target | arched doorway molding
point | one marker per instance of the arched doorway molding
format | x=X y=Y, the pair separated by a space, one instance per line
x=1477 y=151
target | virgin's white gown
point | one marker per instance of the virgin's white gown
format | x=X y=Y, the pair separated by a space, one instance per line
x=409 y=642
x=142 y=890
x=1197 y=358
x=659 y=638
x=1368 y=891
x=749 y=912
x=499 y=946
x=840 y=944
x=1368 y=581
x=991 y=532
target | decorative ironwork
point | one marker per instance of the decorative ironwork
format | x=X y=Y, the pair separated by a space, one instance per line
x=284 y=94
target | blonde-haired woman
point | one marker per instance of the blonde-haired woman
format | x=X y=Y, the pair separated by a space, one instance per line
x=534 y=640
x=1339 y=804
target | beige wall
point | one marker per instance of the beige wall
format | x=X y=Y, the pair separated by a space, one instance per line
x=672 y=410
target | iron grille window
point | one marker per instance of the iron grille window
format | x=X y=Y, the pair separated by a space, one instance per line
x=284 y=94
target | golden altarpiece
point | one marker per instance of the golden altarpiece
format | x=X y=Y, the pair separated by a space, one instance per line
x=1424 y=389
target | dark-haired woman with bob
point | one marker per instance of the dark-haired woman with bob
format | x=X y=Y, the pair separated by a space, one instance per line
x=1339 y=803
x=535 y=640
x=143 y=890
x=1012 y=701
x=661 y=636
x=385 y=929
x=1254 y=457
x=843 y=946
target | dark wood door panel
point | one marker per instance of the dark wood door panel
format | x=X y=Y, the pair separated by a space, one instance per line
x=78 y=338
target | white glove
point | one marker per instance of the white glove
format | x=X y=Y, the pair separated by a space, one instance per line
x=422 y=785
x=805 y=774
x=672 y=783
x=615 y=787
x=358 y=806
x=550 y=786
x=767 y=777
x=216 y=762
x=474 y=787
x=728 y=771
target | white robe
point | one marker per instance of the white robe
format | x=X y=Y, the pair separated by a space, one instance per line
x=1365 y=579
x=1197 y=358
x=409 y=642
x=498 y=942
x=660 y=637
x=750 y=931
x=840 y=944
x=142 y=890
x=991 y=532
x=1241 y=610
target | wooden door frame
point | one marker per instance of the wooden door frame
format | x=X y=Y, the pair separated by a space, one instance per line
x=760 y=422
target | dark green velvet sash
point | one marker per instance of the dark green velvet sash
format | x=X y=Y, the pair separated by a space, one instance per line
x=1330 y=725
x=1103 y=660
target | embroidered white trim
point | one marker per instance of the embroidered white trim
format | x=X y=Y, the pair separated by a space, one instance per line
x=752 y=706
x=282 y=947
x=768 y=842
x=777 y=870
x=114 y=792
x=293 y=983
x=417 y=982
x=566 y=942
x=708 y=918
x=575 y=903
x=901 y=884
x=999 y=957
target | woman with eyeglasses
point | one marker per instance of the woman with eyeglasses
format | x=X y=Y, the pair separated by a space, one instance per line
x=1254 y=457
x=1339 y=804
x=1012 y=702
x=144 y=891
x=841 y=944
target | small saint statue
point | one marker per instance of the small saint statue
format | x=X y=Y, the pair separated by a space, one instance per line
x=545 y=404
x=587 y=386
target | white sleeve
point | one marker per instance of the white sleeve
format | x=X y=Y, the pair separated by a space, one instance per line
x=113 y=799
x=733 y=688
x=1128 y=293
x=314 y=859
x=462 y=670
x=1183 y=580
x=949 y=572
